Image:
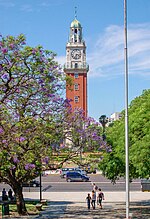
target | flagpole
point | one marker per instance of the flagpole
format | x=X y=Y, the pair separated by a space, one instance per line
x=126 y=110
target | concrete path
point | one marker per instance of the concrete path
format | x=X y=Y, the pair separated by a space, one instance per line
x=72 y=205
x=77 y=197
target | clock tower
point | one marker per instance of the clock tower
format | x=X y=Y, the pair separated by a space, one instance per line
x=76 y=67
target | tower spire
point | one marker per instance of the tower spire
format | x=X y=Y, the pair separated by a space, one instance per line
x=75 y=13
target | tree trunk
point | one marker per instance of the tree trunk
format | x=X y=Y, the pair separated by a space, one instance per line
x=21 y=208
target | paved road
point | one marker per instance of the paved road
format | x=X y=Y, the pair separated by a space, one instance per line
x=53 y=183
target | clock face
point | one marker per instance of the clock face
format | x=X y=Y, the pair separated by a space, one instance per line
x=76 y=54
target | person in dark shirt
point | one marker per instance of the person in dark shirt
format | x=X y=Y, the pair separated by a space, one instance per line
x=10 y=196
x=100 y=197
x=88 y=198
x=4 y=195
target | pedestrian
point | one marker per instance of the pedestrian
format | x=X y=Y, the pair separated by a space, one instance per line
x=100 y=197
x=93 y=199
x=88 y=199
x=10 y=196
x=95 y=187
x=4 y=195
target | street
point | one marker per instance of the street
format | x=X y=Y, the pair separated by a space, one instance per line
x=53 y=183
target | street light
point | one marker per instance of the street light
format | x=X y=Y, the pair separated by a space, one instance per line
x=40 y=187
x=103 y=120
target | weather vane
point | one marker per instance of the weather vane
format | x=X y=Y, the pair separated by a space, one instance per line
x=75 y=12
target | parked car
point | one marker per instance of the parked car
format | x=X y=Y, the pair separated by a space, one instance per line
x=76 y=177
x=32 y=183
x=63 y=171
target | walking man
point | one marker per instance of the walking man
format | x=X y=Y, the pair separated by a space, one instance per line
x=100 y=197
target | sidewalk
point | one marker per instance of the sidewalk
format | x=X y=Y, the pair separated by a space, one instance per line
x=72 y=205
x=77 y=197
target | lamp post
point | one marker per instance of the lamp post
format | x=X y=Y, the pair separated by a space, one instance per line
x=126 y=111
x=40 y=186
x=103 y=120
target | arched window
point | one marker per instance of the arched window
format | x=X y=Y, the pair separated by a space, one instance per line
x=76 y=65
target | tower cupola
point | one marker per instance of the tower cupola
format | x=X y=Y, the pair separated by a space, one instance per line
x=75 y=32
x=75 y=24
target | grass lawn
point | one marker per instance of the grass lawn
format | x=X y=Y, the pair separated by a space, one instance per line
x=30 y=205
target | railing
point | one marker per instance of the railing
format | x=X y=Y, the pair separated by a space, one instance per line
x=78 y=66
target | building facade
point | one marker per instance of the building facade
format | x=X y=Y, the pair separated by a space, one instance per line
x=115 y=116
x=76 y=68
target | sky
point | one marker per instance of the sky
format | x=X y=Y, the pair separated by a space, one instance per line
x=47 y=23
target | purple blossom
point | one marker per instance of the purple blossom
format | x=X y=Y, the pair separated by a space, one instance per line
x=15 y=160
x=4 y=50
x=4 y=141
x=34 y=51
x=1 y=67
x=12 y=46
x=13 y=168
x=23 y=42
x=1 y=130
x=50 y=95
x=5 y=76
x=46 y=160
x=21 y=139
x=29 y=166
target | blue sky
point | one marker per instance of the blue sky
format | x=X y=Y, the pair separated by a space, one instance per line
x=47 y=22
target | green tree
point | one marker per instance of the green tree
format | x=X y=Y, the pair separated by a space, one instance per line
x=113 y=164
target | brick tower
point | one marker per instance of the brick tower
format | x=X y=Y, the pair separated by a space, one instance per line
x=76 y=67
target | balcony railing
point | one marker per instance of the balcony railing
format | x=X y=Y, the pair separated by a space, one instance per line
x=76 y=66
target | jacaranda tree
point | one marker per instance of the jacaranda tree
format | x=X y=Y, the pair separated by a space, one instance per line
x=36 y=123
x=81 y=136
x=30 y=95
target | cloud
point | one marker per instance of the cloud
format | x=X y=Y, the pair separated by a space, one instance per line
x=107 y=57
x=40 y=5
x=6 y=4
x=47 y=3
x=26 y=8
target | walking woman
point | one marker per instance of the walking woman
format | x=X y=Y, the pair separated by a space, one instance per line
x=93 y=199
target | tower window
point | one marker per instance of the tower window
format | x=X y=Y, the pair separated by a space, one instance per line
x=76 y=65
x=76 y=75
x=76 y=87
x=75 y=31
x=76 y=99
